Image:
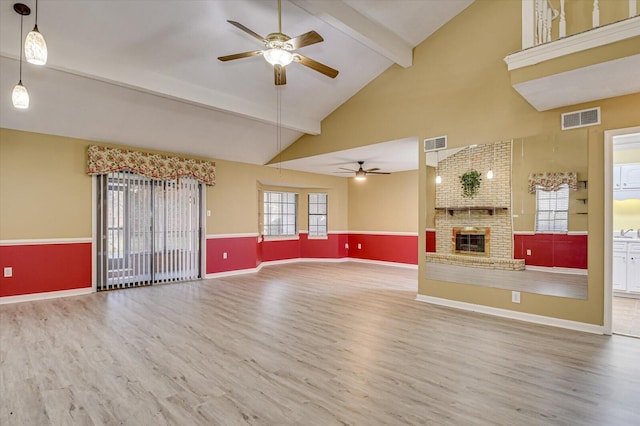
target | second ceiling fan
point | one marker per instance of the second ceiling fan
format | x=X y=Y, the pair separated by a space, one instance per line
x=280 y=49
x=361 y=174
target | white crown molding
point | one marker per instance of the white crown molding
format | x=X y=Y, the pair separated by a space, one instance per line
x=44 y=241
x=47 y=295
x=519 y=316
x=589 y=39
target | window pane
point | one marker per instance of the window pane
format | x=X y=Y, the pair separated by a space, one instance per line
x=552 y=210
x=279 y=213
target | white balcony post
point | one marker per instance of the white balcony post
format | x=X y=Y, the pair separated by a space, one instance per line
x=633 y=10
x=596 y=14
x=563 y=21
x=528 y=24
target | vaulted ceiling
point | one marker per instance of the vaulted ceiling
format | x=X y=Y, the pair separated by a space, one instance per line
x=145 y=73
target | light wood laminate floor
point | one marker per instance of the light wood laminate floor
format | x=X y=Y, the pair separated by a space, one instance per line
x=304 y=344
x=528 y=281
x=626 y=316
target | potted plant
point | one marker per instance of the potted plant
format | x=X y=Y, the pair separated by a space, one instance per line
x=470 y=182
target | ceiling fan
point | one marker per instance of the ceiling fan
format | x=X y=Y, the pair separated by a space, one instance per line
x=361 y=174
x=280 y=49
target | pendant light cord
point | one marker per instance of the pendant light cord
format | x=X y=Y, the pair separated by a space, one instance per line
x=21 y=21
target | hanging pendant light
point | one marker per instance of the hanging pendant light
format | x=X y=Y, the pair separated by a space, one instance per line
x=35 y=48
x=20 y=96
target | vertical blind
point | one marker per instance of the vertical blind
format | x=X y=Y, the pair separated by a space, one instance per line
x=148 y=230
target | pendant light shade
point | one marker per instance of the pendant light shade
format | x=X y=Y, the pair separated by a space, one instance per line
x=20 y=96
x=35 y=48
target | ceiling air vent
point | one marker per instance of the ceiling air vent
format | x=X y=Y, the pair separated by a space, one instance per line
x=435 y=144
x=585 y=117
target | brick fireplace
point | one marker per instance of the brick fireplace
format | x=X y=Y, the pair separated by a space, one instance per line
x=476 y=230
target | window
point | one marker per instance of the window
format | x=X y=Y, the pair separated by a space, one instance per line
x=280 y=213
x=317 y=215
x=552 y=209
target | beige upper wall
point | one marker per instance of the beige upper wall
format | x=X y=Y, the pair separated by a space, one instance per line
x=459 y=86
x=46 y=193
x=384 y=203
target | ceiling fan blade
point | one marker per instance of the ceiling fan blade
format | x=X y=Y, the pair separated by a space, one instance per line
x=378 y=173
x=344 y=172
x=349 y=170
x=248 y=31
x=239 y=55
x=280 y=75
x=314 y=65
x=372 y=170
x=305 y=39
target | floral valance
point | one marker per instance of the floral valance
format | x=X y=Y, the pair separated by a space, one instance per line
x=103 y=160
x=551 y=181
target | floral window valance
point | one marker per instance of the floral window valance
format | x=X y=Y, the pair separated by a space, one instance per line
x=103 y=160
x=551 y=181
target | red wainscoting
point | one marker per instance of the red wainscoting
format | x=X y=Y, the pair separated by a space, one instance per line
x=41 y=268
x=387 y=248
x=559 y=250
x=431 y=241
x=332 y=247
x=242 y=253
x=280 y=250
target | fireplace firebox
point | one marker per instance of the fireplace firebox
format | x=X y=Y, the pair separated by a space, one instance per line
x=471 y=240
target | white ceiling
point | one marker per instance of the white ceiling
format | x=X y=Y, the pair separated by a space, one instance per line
x=144 y=73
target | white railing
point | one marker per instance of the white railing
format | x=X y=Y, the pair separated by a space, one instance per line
x=538 y=18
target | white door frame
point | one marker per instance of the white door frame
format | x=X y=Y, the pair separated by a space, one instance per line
x=608 y=222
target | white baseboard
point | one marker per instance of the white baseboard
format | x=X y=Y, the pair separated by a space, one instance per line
x=45 y=295
x=384 y=263
x=306 y=259
x=558 y=270
x=520 y=316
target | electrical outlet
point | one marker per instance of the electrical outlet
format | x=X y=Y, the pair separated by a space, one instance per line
x=359 y=246
x=515 y=296
x=224 y=255
x=346 y=246
x=528 y=252
x=8 y=272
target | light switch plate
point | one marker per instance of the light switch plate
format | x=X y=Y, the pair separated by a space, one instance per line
x=8 y=272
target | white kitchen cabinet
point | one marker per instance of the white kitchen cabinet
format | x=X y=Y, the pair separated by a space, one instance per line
x=619 y=278
x=629 y=176
x=626 y=266
x=616 y=176
x=633 y=267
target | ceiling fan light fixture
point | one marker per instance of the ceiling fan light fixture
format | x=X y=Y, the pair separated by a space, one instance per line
x=277 y=56
x=20 y=96
x=35 y=48
x=361 y=175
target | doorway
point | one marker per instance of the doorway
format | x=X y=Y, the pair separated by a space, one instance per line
x=148 y=231
x=622 y=232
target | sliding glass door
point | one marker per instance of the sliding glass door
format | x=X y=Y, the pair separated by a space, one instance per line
x=148 y=230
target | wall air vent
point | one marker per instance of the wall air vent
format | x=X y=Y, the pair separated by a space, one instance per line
x=585 y=117
x=435 y=144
